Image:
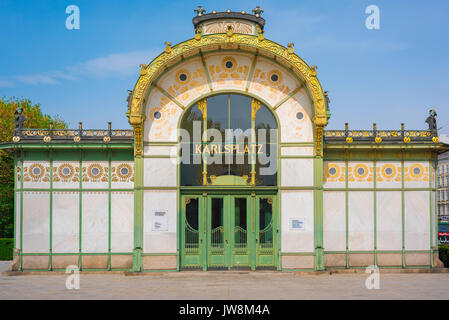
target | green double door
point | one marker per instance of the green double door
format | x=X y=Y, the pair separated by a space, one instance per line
x=229 y=231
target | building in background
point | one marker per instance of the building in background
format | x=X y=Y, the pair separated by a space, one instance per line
x=443 y=186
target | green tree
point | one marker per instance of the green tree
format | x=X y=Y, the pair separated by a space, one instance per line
x=36 y=119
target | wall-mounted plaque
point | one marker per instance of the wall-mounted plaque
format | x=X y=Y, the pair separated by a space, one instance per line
x=296 y=224
x=160 y=221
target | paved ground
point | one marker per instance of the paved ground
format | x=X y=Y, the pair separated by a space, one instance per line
x=226 y=285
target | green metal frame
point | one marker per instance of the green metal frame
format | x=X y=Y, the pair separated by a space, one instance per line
x=50 y=154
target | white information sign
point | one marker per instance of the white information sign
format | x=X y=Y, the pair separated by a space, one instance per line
x=160 y=221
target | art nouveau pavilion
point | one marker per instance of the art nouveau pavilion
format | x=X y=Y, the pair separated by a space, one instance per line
x=120 y=200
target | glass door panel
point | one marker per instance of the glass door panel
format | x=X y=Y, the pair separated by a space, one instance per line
x=191 y=232
x=240 y=216
x=216 y=234
x=265 y=232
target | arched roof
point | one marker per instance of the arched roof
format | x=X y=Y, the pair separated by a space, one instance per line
x=203 y=43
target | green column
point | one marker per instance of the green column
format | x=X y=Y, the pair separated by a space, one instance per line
x=138 y=214
x=318 y=213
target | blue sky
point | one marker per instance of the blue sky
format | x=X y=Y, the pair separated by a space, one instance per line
x=387 y=76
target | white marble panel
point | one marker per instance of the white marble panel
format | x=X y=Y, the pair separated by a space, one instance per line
x=193 y=83
x=65 y=222
x=160 y=241
x=297 y=151
x=122 y=221
x=334 y=220
x=234 y=78
x=297 y=205
x=17 y=222
x=263 y=86
x=361 y=221
x=417 y=220
x=297 y=172
x=389 y=220
x=160 y=172
x=36 y=222
x=295 y=117
x=160 y=150
x=164 y=126
x=95 y=222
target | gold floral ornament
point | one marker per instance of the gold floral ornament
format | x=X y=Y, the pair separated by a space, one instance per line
x=349 y=140
x=65 y=172
x=95 y=171
x=407 y=140
x=76 y=139
x=143 y=69
x=124 y=171
x=15 y=139
x=36 y=171
x=290 y=48
x=106 y=139
x=47 y=139
x=183 y=77
x=229 y=64
x=167 y=47
x=229 y=31
x=274 y=77
x=378 y=139
x=435 y=139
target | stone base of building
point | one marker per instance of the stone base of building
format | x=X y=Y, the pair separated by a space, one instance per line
x=168 y=262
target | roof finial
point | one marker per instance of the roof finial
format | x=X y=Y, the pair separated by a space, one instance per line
x=257 y=11
x=199 y=10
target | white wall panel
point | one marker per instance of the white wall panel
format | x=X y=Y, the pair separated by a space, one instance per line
x=297 y=205
x=334 y=221
x=417 y=220
x=159 y=241
x=297 y=172
x=95 y=222
x=122 y=221
x=65 y=233
x=361 y=221
x=160 y=172
x=36 y=222
x=297 y=151
x=389 y=220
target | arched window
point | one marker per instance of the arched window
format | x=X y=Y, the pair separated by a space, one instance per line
x=228 y=139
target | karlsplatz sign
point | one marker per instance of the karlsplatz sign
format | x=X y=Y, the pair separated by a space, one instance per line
x=229 y=149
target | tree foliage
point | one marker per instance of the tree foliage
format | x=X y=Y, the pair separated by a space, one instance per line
x=35 y=119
